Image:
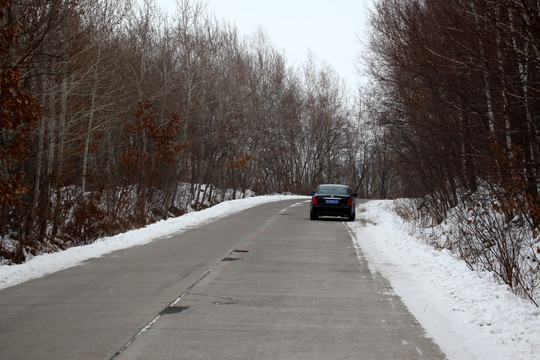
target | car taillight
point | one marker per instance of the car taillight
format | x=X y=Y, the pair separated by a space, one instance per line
x=314 y=201
x=349 y=202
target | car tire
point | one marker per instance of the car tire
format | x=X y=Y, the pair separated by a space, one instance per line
x=312 y=216
x=352 y=217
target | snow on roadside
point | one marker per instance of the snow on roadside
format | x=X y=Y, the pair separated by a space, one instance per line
x=467 y=313
x=42 y=265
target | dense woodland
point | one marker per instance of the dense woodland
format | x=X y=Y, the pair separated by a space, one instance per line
x=114 y=114
x=458 y=94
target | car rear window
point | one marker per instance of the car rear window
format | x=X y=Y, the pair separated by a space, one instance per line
x=337 y=190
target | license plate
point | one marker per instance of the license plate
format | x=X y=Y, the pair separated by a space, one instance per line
x=333 y=201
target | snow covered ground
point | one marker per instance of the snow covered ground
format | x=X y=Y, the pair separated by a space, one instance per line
x=46 y=264
x=466 y=313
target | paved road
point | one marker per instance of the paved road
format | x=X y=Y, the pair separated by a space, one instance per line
x=293 y=289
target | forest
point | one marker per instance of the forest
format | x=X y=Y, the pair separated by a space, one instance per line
x=458 y=103
x=115 y=115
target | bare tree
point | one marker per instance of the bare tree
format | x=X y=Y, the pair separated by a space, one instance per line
x=20 y=113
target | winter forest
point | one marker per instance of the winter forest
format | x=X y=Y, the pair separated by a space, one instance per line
x=114 y=116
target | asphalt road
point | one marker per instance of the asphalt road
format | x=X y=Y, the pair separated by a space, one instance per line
x=266 y=283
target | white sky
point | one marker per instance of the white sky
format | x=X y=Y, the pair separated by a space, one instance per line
x=332 y=31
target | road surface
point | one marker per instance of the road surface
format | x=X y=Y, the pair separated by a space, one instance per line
x=265 y=283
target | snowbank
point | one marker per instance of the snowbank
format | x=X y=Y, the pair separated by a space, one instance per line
x=42 y=265
x=467 y=313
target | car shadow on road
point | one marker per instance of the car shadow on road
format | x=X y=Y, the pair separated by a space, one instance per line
x=332 y=219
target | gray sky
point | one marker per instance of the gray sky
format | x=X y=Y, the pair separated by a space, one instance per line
x=331 y=30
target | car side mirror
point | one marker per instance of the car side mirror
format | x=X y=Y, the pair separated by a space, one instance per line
x=355 y=195
x=312 y=193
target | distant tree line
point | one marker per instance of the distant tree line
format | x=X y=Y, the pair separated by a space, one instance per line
x=114 y=115
x=457 y=98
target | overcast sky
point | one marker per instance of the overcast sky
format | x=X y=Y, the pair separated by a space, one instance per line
x=331 y=30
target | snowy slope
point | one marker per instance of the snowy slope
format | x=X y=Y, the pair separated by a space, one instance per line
x=45 y=264
x=466 y=313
